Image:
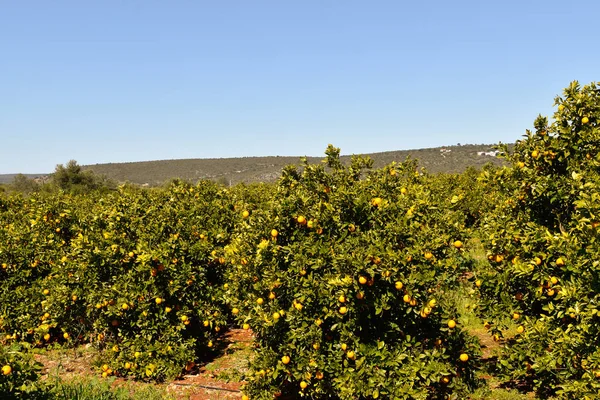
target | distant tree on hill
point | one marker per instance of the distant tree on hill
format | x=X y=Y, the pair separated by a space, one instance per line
x=23 y=184
x=73 y=179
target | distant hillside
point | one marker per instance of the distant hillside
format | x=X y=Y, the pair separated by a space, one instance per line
x=267 y=169
x=8 y=178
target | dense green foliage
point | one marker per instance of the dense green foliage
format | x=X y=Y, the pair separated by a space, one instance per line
x=343 y=278
x=544 y=250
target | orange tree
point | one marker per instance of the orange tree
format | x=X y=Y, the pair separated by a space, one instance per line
x=34 y=234
x=138 y=272
x=343 y=278
x=154 y=277
x=543 y=251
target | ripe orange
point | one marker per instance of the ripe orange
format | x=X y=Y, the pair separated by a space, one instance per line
x=428 y=255
x=520 y=329
x=260 y=301
x=519 y=296
x=362 y=280
x=343 y=310
x=560 y=262
x=350 y=354
x=585 y=120
x=478 y=283
x=458 y=244
x=245 y=214
x=276 y=316
x=235 y=311
x=285 y=359
x=301 y=220
x=274 y=233
x=398 y=285
x=464 y=357
x=451 y=324
x=303 y=385
x=6 y=370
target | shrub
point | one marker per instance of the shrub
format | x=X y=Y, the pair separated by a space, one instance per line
x=543 y=251
x=343 y=280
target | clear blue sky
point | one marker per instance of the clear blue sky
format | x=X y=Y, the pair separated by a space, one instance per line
x=132 y=80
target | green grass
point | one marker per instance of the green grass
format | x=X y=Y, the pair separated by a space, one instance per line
x=498 y=394
x=92 y=388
